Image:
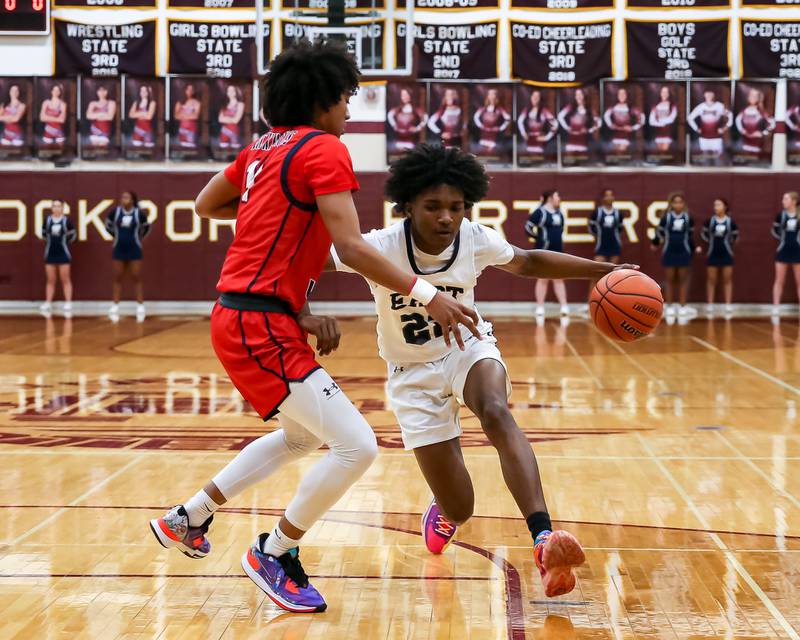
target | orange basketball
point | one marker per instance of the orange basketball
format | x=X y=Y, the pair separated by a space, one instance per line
x=626 y=305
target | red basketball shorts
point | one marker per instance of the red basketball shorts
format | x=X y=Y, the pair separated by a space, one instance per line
x=262 y=352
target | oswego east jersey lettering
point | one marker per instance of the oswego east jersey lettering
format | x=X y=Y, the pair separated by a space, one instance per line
x=217 y=49
x=770 y=49
x=105 y=50
x=561 y=53
x=452 y=51
x=677 y=50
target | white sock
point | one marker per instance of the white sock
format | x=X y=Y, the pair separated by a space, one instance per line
x=199 y=508
x=279 y=543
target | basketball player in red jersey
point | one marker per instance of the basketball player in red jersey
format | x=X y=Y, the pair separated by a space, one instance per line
x=291 y=195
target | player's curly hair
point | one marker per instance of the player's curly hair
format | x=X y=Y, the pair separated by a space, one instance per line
x=306 y=77
x=430 y=165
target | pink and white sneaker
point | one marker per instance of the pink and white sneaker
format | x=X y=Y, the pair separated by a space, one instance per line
x=437 y=530
x=556 y=553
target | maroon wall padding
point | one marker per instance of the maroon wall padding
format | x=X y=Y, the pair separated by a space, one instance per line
x=188 y=271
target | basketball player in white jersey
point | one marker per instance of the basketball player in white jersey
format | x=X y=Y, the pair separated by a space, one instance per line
x=427 y=379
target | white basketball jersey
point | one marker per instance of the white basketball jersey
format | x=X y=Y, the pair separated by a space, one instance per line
x=405 y=331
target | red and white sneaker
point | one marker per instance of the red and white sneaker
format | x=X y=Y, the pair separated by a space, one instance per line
x=556 y=553
x=437 y=530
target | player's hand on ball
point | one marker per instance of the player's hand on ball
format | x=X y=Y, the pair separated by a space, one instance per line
x=617 y=267
x=449 y=313
x=325 y=329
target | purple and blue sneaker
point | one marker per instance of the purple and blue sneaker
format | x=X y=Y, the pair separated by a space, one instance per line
x=173 y=530
x=282 y=578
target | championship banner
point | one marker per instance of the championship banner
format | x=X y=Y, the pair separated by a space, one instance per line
x=215 y=4
x=679 y=4
x=372 y=38
x=105 y=50
x=769 y=4
x=677 y=50
x=448 y=5
x=561 y=54
x=104 y=4
x=565 y=5
x=322 y=5
x=451 y=51
x=217 y=49
x=770 y=49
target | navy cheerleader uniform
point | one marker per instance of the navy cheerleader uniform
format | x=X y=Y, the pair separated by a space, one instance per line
x=606 y=226
x=547 y=228
x=128 y=228
x=674 y=234
x=720 y=234
x=786 y=229
x=57 y=235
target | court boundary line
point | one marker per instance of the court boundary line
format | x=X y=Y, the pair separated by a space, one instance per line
x=74 y=503
x=757 y=469
x=747 y=365
x=729 y=555
x=598 y=383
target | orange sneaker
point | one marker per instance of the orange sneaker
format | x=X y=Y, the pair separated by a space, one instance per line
x=556 y=553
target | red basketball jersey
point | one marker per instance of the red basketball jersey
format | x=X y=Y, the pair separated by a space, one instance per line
x=281 y=242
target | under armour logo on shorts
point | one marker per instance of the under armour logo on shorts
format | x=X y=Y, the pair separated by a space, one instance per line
x=331 y=391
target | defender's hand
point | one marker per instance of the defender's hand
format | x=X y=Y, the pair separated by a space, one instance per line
x=325 y=329
x=449 y=313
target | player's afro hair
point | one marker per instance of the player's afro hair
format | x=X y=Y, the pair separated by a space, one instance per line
x=305 y=77
x=430 y=166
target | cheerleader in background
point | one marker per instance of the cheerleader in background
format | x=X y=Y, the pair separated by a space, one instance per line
x=100 y=113
x=546 y=226
x=491 y=120
x=579 y=122
x=674 y=236
x=536 y=124
x=187 y=113
x=710 y=120
x=57 y=233
x=720 y=233
x=407 y=121
x=792 y=121
x=754 y=123
x=605 y=224
x=451 y=118
x=128 y=224
x=787 y=230
x=229 y=117
x=11 y=114
x=662 y=121
x=142 y=113
x=53 y=115
x=623 y=121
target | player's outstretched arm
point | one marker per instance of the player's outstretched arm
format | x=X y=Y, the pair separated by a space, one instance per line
x=341 y=219
x=219 y=199
x=540 y=263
